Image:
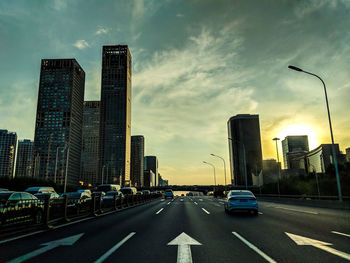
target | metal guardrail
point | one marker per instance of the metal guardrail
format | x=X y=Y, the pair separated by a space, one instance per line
x=49 y=211
x=304 y=197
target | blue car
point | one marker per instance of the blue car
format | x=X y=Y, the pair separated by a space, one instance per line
x=241 y=200
x=168 y=194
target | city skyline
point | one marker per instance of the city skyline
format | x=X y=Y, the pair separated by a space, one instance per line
x=185 y=90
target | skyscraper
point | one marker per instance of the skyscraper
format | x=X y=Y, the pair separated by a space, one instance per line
x=8 y=141
x=293 y=146
x=115 y=122
x=58 y=129
x=90 y=144
x=244 y=148
x=151 y=163
x=137 y=160
x=24 y=159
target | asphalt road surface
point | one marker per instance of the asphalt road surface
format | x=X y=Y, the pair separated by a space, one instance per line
x=192 y=229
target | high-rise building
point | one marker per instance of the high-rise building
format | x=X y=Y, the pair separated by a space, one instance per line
x=293 y=146
x=151 y=163
x=115 y=122
x=137 y=160
x=59 y=118
x=149 y=177
x=244 y=148
x=24 y=159
x=89 y=170
x=347 y=154
x=8 y=142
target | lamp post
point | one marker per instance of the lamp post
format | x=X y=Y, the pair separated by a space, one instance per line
x=279 y=167
x=340 y=197
x=224 y=167
x=244 y=162
x=318 y=187
x=214 y=171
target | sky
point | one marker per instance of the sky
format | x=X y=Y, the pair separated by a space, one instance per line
x=196 y=63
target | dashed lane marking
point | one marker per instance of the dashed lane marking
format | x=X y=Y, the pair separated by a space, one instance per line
x=266 y=257
x=196 y=203
x=206 y=211
x=160 y=210
x=339 y=233
x=296 y=210
x=111 y=251
x=168 y=203
x=260 y=213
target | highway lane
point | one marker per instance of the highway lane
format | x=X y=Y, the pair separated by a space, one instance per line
x=141 y=234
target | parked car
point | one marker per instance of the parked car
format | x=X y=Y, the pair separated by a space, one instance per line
x=40 y=189
x=3 y=190
x=108 y=187
x=43 y=195
x=168 y=194
x=77 y=200
x=129 y=190
x=241 y=200
x=18 y=207
x=146 y=192
x=84 y=190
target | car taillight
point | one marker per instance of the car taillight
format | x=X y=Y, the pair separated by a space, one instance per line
x=233 y=199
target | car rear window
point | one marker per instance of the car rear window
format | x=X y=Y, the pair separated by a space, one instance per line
x=4 y=197
x=241 y=193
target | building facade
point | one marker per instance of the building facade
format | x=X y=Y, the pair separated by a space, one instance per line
x=347 y=154
x=294 y=146
x=58 y=128
x=137 y=160
x=271 y=170
x=244 y=148
x=151 y=163
x=24 y=159
x=8 y=142
x=149 y=178
x=89 y=170
x=115 y=122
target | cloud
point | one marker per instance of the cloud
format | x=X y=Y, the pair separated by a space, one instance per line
x=81 y=44
x=59 y=4
x=102 y=31
x=179 y=15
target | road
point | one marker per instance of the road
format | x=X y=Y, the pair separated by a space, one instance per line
x=142 y=234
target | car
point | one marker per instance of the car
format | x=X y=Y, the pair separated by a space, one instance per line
x=129 y=190
x=168 y=194
x=108 y=199
x=146 y=192
x=77 y=201
x=241 y=200
x=139 y=193
x=84 y=190
x=182 y=195
x=43 y=195
x=108 y=187
x=18 y=207
x=40 y=189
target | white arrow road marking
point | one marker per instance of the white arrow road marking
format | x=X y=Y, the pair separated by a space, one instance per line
x=339 y=233
x=305 y=241
x=268 y=259
x=114 y=248
x=196 y=203
x=184 y=241
x=67 y=241
x=260 y=213
x=160 y=210
x=206 y=211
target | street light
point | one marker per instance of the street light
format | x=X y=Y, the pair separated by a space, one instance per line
x=244 y=161
x=279 y=167
x=224 y=167
x=214 y=171
x=330 y=127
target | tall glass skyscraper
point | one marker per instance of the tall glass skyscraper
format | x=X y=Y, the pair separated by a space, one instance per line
x=8 y=142
x=58 y=129
x=294 y=146
x=90 y=145
x=115 y=123
x=24 y=159
x=151 y=164
x=137 y=160
x=244 y=148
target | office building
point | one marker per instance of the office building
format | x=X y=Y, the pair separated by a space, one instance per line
x=137 y=160
x=8 y=142
x=151 y=163
x=244 y=148
x=161 y=181
x=115 y=122
x=294 y=146
x=270 y=170
x=347 y=154
x=89 y=169
x=24 y=159
x=149 y=178
x=58 y=128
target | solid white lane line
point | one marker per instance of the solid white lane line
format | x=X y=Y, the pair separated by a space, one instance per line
x=26 y=235
x=109 y=252
x=206 y=211
x=159 y=211
x=268 y=259
x=296 y=210
x=168 y=203
x=217 y=205
x=74 y=222
x=339 y=233
x=196 y=203
x=260 y=213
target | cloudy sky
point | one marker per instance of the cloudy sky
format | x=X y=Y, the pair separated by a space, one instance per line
x=196 y=63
